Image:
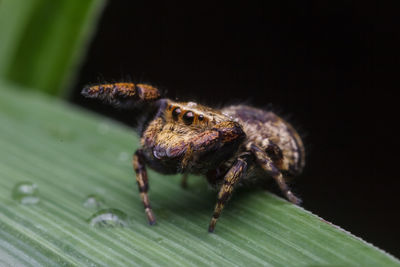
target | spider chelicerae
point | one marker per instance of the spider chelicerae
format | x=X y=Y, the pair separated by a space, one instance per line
x=232 y=145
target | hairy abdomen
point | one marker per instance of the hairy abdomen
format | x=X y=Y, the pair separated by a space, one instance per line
x=267 y=130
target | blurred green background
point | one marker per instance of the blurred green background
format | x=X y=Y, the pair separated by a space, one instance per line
x=44 y=42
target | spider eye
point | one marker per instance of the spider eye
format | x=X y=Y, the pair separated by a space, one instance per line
x=188 y=118
x=201 y=117
x=176 y=112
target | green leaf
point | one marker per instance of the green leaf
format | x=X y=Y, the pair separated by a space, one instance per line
x=43 y=41
x=71 y=154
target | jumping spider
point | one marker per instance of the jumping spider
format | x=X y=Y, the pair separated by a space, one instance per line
x=232 y=145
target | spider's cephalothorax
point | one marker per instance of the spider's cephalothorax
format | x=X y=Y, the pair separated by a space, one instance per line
x=232 y=145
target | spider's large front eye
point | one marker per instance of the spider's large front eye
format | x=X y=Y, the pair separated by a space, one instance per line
x=188 y=118
x=176 y=112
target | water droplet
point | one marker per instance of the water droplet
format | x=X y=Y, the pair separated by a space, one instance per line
x=93 y=202
x=25 y=193
x=108 y=218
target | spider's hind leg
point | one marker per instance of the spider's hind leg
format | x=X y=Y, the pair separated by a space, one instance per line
x=269 y=167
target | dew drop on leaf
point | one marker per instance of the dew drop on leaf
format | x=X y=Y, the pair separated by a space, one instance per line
x=93 y=201
x=108 y=218
x=26 y=193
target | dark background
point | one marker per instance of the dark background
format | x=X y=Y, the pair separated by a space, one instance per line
x=330 y=67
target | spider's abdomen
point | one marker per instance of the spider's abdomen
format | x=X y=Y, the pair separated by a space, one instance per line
x=273 y=134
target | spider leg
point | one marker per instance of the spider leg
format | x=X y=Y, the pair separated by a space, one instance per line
x=184 y=180
x=231 y=178
x=268 y=165
x=143 y=184
x=122 y=94
x=224 y=137
x=188 y=157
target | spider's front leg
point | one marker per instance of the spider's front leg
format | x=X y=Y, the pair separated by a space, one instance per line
x=268 y=165
x=231 y=179
x=224 y=137
x=143 y=184
x=126 y=95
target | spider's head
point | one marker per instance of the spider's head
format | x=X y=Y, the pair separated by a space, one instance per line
x=192 y=137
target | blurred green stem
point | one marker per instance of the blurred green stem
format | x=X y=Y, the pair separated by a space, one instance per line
x=43 y=41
